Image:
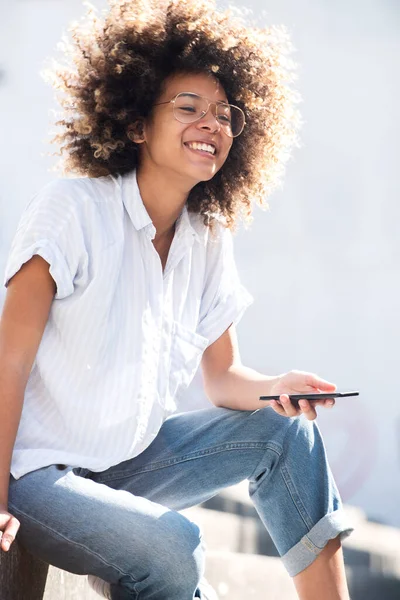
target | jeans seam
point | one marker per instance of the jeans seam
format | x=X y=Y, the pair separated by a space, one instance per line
x=59 y=535
x=292 y=488
x=295 y=496
x=191 y=456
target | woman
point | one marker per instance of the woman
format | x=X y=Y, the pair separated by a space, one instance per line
x=122 y=281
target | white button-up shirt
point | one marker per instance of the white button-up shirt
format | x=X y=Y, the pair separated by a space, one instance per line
x=123 y=339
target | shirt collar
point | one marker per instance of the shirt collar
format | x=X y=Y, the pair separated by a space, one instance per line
x=185 y=225
x=133 y=202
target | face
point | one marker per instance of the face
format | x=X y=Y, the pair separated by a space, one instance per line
x=171 y=146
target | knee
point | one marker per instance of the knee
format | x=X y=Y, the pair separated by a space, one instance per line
x=304 y=448
x=177 y=563
x=287 y=432
x=301 y=431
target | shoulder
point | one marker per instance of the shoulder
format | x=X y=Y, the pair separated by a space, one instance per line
x=62 y=199
x=79 y=189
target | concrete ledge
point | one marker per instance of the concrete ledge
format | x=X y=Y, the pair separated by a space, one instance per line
x=61 y=585
x=366 y=585
x=229 y=532
x=248 y=577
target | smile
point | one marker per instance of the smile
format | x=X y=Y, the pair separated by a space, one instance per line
x=201 y=148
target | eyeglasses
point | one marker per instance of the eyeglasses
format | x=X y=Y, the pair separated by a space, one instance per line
x=190 y=107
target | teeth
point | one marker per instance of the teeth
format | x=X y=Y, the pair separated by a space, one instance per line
x=204 y=147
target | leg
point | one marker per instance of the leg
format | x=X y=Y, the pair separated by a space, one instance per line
x=197 y=454
x=143 y=549
x=325 y=577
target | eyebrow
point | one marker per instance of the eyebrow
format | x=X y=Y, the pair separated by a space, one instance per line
x=195 y=94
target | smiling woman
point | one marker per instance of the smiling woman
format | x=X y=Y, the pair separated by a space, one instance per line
x=116 y=73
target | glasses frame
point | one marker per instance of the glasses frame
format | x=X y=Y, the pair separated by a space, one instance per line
x=209 y=103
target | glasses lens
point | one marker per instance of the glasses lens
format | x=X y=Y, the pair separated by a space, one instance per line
x=231 y=119
x=189 y=107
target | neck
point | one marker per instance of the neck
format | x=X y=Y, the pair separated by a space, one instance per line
x=163 y=198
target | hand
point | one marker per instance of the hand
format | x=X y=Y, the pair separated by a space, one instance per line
x=297 y=382
x=9 y=526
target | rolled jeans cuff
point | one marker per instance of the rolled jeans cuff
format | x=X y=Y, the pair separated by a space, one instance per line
x=307 y=549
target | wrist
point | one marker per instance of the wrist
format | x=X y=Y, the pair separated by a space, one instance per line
x=276 y=385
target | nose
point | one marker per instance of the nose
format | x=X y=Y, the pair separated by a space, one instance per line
x=209 y=122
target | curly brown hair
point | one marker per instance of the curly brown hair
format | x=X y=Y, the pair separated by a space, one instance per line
x=115 y=69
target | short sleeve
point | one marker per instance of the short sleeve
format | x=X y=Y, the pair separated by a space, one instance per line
x=50 y=227
x=224 y=298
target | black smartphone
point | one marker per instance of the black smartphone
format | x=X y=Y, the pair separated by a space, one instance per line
x=294 y=398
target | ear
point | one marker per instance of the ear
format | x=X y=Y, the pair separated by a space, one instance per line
x=135 y=131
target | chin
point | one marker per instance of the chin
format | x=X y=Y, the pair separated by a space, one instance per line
x=195 y=175
x=204 y=175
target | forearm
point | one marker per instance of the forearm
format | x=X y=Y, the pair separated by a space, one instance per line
x=12 y=389
x=240 y=388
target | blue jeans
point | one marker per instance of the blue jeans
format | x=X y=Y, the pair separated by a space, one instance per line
x=122 y=524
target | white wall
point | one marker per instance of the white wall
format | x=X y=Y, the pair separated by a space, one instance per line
x=323 y=262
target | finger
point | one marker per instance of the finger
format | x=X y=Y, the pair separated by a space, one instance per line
x=319 y=383
x=10 y=533
x=328 y=403
x=277 y=408
x=307 y=409
x=290 y=410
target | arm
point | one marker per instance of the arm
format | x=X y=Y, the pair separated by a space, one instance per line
x=29 y=297
x=230 y=384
